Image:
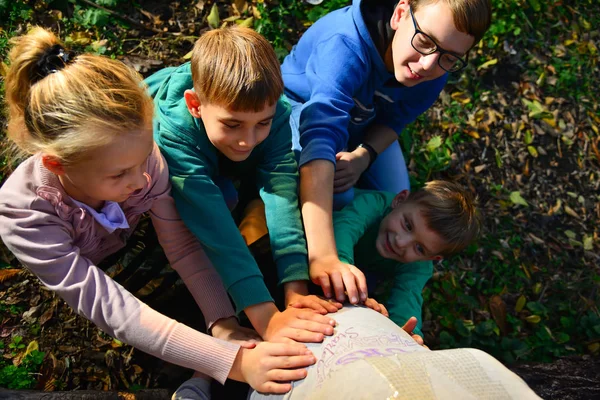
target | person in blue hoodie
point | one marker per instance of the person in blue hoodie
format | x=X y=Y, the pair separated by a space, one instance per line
x=355 y=79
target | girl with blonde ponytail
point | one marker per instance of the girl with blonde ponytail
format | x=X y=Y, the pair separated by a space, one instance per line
x=93 y=169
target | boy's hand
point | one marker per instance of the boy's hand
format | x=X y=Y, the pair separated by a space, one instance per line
x=332 y=272
x=270 y=367
x=230 y=330
x=375 y=305
x=296 y=295
x=348 y=168
x=409 y=327
x=298 y=325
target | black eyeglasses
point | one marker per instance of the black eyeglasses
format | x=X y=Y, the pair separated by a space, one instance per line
x=425 y=45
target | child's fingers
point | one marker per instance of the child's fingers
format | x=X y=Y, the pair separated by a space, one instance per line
x=371 y=303
x=338 y=285
x=384 y=310
x=289 y=362
x=361 y=282
x=313 y=326
x=286 y=375
x=418 y=339
x=302 y=335
x=289 y=348
x=307 y=303
x=323 y=281
x=246 y=344
x=344 y=187
x=350 y=284
x=330 y=306
x=410 y=325
x=274 y=387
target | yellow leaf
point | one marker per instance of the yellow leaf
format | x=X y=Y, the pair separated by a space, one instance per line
x=550 y=121
x=473 y=134
x=594 y=347
x=588 y=243
x=526 y=271
x=31 y=347
x=487 y=64
x=247 y=23
x=533 y=151
x=213 y=18
x=520 y=303
x=537 y=288
x=255 y=11
x=240 y=5
x=78 y=38
x=534 y=319
x=461 y=97
x=188 y=55
x=571 y=212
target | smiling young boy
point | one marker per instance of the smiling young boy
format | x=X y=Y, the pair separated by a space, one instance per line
x=397 y=237
x=220 y=122
x=355 y=79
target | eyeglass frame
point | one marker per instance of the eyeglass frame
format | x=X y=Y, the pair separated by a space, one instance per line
x=437 y=47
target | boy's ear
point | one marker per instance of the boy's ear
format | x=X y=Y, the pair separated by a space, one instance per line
x=193 y=103
x=400 y=197
x=53 y=164
x=399 y=11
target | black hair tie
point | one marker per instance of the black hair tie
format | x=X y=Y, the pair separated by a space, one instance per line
x=53 y=60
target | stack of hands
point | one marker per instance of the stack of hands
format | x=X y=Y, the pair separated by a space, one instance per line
x=274 y=355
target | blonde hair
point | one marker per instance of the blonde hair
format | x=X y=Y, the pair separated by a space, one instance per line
x=77 y=107
x=450 y=211
x=472 y=17
x=236 y=68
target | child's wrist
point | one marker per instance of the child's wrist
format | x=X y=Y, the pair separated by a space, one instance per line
x=260 y=315
x=368 y=153
x=295 y=287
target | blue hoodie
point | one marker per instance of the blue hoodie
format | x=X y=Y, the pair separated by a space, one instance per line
x=338 y=73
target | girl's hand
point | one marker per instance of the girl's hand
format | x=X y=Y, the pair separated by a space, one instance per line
x=380 y=308
x=230 y=330
x=270 y=367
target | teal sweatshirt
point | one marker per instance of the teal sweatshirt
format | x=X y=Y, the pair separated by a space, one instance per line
x=356 y=227
x=194 y=162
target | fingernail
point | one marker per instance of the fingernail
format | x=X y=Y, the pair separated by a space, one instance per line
x=363 y=297
x=354 y=300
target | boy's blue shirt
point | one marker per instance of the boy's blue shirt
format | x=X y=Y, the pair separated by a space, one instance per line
x=193 y=163
x=339 y=75
x=356 y=228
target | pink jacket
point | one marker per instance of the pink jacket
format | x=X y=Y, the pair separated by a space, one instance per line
x=61 y=243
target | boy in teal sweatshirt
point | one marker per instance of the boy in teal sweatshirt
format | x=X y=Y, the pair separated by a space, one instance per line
x=222 y=119
x=399 y=236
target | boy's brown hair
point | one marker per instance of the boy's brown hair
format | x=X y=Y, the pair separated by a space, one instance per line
x=236 y=68
x=450 y=211
x=472 y=17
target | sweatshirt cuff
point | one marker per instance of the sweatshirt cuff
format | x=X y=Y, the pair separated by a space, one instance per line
x=317 y=148
x=203 y=353
x=210 y=295
x=248 y=292
x=292 y=267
